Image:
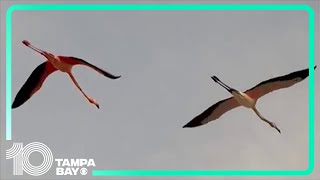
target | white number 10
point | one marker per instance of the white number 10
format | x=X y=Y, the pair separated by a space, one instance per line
x=20 y=156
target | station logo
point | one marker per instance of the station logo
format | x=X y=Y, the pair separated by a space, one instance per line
x=21 y=161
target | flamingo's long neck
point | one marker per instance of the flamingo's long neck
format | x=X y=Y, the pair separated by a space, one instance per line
x=229 y=89
x=36 y=49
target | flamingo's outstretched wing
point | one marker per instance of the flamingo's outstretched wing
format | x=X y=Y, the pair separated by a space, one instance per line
x=78 y=61
x=33 y=83
x=213 y=112
x=276 y=83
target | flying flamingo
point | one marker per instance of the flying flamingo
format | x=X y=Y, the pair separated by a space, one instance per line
x=247 y=99
x=53 y=63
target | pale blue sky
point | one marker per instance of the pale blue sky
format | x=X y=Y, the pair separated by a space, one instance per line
x=165 y=60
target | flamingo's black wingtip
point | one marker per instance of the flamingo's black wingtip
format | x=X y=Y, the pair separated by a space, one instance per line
x=112 y=76
x=14 y=105
x=192 y=124
x=189 y=126
x=185 y=126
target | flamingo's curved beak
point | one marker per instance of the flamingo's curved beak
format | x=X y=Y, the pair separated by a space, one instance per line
x=28 y=44
x=25 y=42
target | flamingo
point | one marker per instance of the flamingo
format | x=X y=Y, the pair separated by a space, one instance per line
x=51 y=65
x=248 y=98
